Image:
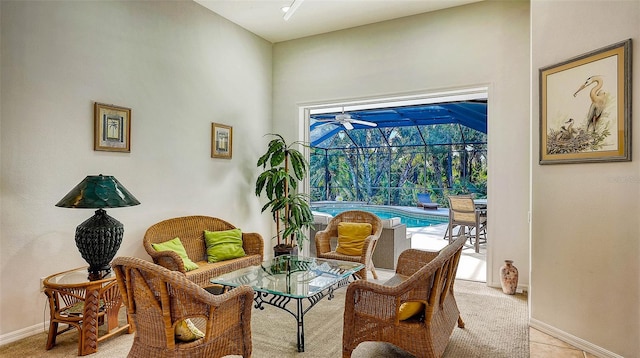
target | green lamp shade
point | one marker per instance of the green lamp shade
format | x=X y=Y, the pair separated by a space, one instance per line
x=99 y=238
x=98 y=191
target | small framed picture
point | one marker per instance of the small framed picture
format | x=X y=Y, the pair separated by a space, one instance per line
x=112 y=128
x=221 y=141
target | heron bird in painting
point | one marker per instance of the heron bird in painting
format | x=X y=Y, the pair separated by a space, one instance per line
x=598 y=100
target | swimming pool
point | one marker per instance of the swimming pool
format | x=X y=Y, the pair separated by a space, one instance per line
x=409 y=218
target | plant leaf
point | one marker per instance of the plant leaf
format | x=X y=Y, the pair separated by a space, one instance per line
x=277 y=158
x=260 y=182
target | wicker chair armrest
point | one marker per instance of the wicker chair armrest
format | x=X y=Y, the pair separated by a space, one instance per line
x=253 y=244
x=368 y=247
x=411 y=260
x=323 y=241
x=375 y=288
x=375 y=300
x=244 y=293
x=168 y=259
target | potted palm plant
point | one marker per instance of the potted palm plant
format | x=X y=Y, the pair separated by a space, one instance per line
x=285 y=168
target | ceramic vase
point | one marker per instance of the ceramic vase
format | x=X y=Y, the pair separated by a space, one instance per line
x=509 y=277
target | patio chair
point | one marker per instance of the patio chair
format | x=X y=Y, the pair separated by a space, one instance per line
x=423 y=281
x=424 y=201
x=158 y=300
x=323 y=240
x=463 y=213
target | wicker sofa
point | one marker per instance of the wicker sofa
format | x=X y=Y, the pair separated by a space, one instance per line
x=190 y=230
x=372 y=311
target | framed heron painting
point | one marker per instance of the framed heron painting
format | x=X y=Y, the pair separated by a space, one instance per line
x=585 y=107
x=112 y=128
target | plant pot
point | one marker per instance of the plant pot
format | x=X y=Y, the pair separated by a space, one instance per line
x=284 y=249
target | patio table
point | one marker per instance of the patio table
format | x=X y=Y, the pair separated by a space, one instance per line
x=480 y=203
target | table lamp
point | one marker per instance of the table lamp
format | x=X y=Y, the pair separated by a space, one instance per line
x=98 y=238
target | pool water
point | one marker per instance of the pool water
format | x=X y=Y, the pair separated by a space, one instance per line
x=408 y=218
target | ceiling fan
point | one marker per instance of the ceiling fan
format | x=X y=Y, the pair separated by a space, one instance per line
x=347 y=121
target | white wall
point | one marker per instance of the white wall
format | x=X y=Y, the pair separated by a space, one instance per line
x=179 y=67
x=585 y=279
x=483 y=43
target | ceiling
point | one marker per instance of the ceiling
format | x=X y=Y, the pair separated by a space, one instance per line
x=265 y=18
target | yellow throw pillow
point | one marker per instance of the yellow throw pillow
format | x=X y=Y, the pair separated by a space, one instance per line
x=409 y=309
x=351 y=237
x=186 y=331
x=176 y=246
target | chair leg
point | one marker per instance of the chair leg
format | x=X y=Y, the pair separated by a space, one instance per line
x=460 y=322
x=477 y=243
x=374 y=273
x=53 y=333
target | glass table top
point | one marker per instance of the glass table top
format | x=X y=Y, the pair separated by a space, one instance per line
x=76 y=277
x=293 y=276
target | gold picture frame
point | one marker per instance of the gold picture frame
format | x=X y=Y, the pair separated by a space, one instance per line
x=585 y=107
x=112 y=128
x=221 y=141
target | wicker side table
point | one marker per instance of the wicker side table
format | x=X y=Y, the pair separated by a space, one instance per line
x=84 y=305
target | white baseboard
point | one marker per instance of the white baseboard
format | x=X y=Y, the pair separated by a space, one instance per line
x=520 y=289
x=24 y=333
x=572 y=340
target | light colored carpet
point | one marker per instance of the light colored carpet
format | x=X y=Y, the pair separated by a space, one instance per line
x=496 y=327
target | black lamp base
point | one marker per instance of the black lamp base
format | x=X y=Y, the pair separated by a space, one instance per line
x=98 y=240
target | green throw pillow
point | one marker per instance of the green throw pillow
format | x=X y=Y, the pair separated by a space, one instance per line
x=176 y=246
x=223 y=245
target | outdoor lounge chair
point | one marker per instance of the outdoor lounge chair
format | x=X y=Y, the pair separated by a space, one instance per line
x=424 y=201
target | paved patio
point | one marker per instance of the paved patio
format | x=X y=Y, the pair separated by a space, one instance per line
x=472 y=265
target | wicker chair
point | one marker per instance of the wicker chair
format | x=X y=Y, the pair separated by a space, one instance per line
x=463 y=213
x=371 y=309
x=157 y=299
x=190 y=230
x=323 y=240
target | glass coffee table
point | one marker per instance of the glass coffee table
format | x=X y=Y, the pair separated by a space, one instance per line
x=284 y=279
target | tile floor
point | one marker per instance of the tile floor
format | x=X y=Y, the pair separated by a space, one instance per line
x=472 y=266
x=542 y=345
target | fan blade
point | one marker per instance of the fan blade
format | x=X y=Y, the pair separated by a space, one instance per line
x=370 y=124
x=326 y=120
x=347 y=125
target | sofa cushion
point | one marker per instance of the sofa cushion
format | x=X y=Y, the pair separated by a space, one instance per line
x=176 y=246
x=351 y=237
x=223 y=245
